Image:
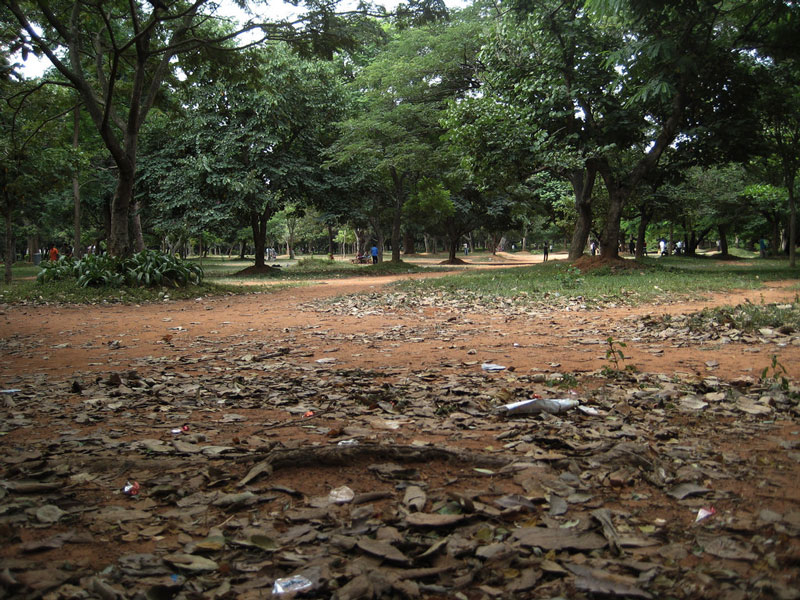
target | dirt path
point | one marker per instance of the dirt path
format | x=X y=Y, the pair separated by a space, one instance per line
x=239 y=416
x=60 y=340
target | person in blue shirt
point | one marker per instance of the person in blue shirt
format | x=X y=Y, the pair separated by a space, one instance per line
x=374 y=252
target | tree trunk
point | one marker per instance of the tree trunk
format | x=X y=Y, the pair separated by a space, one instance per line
x=641 y=232
x=524 y=237
x=722 y=229
x=119 y=239
x=330 y=240
x=609 y=241
x=8 y=213
x=451 y=258
x=258 y=223
x=582 y=186
x=792 y=223
x=408 y=243
x=399 y=199
x=776 y=236
x=76 y=186
x=136 y=226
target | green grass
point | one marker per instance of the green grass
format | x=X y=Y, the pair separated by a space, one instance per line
x=653 y=278
x=305 y=269
x=671 y=278
x=68 y=291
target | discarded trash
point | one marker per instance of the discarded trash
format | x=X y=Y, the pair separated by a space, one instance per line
x=308 y=413
x=589 y=410
x=177 y=430
x=348 y=443
x=704 y=513
x=290 y=585
x=10 y=391
x=131 y=488
x=326 y=361
x=539 y=405
x=341 y=495
x=492 y=367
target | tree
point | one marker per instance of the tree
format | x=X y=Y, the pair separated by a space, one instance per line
x=396 y=133
x=28 y=170
x=781 y=134
x=246 y=145
x=117 y=55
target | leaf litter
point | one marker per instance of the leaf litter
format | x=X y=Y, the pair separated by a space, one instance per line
x=265 y=473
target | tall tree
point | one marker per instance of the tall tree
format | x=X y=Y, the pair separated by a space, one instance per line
x=117 y=54
x=396 y=133
x=247 y=145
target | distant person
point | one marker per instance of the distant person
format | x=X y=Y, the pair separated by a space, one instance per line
x=593 y=247
x=546 y=252
x=53 y=253
x=632 y=246
x=762 y=247
x=466 y=248
x=374 y=253
x=662 y=247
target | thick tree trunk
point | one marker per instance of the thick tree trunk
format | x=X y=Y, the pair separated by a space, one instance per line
x=451 y=257
x=136 y=227
x=641 y=233
x=258 y=223
x=119 y=239
x=723 y=239
x=408 y=243
x=609 y=241
x=76 y=186
x=330 y=240
x=582 y=186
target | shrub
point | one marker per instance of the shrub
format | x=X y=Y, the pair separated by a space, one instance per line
x=144 y=269
x=56 y=270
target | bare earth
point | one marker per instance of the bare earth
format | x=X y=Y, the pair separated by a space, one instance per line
x=102 y=393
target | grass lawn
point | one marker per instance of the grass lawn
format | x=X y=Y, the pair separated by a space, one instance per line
x=641 y=282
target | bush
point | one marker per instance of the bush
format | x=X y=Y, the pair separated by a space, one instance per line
x=56 y=270
x=145 y=269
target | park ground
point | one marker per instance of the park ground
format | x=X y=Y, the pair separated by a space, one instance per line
x=353 y=434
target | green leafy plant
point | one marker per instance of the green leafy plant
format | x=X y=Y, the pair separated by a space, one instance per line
x=57 y=270
x=614 y=355
x=149 y=268
x=778 y=377
x=144 y=269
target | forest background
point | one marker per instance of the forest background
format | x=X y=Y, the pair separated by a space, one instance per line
x=499 y=125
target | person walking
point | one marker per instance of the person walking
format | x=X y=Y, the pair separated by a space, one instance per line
x=546 y=252
x=374 y=253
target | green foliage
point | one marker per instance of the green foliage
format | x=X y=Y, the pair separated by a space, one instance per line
x=748 y=318
x=553 y=283
x=614 y=353
x=778 y=377
x=149 y=268
x=152 y=268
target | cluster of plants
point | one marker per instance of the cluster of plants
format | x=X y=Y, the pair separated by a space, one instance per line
x=750 y=317
x=148 y=268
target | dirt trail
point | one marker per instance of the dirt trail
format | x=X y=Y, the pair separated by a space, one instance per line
x=59 y=340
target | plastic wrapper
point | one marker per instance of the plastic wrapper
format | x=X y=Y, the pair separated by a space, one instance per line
x=535 y=406
x=291 y=585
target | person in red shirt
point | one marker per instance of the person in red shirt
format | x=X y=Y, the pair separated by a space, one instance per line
x=53 y=253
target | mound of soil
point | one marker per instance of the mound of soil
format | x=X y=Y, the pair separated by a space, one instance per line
x=455 y=261
x=593 y=263
x=257 y=270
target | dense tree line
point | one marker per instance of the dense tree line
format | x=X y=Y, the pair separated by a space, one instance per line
x=524 y=122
